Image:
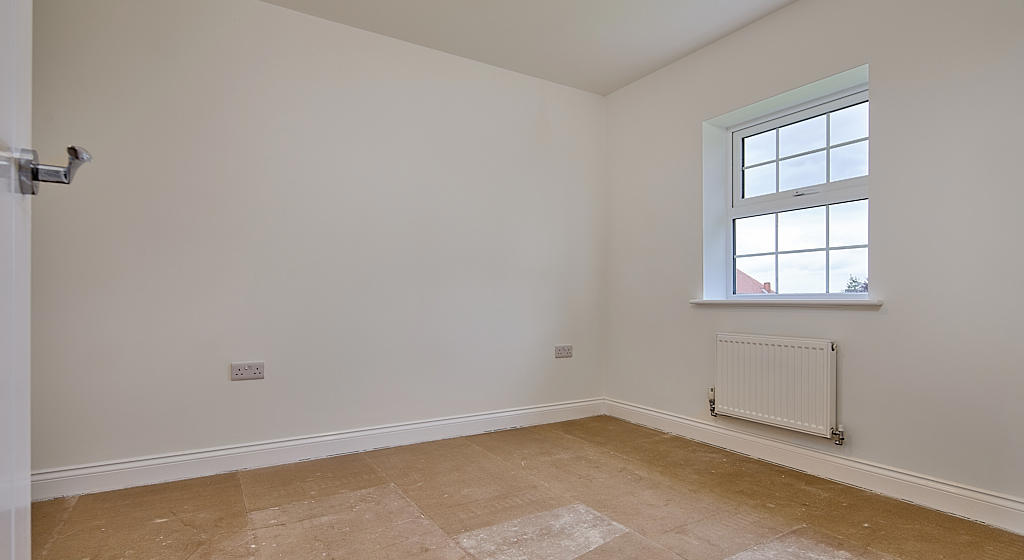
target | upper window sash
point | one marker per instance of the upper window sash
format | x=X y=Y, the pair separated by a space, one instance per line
x=812 y=195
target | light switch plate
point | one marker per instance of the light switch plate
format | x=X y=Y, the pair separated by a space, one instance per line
x=563 y=351
x=246 y=370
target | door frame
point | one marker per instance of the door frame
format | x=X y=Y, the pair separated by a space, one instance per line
x=15 y=271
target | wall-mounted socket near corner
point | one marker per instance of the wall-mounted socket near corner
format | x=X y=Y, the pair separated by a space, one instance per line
x=246 y=370
x=563 y=351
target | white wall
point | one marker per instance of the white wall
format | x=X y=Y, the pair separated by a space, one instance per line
x=403 y=234
x=933 y=381
x=399 y=233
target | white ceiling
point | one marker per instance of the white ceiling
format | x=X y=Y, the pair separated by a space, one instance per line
x=595 y=45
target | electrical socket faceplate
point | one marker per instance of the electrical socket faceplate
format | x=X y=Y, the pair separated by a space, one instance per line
x=563 y=351
x=246 y=370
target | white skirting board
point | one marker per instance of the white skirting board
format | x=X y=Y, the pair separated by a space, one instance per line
x=993 y=508
x=111 y=475
x=999 y=510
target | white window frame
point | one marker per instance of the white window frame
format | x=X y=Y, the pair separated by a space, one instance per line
x=847 y=190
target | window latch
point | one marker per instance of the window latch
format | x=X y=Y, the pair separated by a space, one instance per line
x=805 y=193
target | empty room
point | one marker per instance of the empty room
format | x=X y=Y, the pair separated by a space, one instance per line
x=511 y=279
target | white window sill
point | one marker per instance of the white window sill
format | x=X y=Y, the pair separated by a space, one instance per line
x=782 y=302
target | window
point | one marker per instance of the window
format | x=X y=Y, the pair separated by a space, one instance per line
x=799 y=213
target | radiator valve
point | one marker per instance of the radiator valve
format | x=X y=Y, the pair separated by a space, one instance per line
x=711 y=400
x=838 y=435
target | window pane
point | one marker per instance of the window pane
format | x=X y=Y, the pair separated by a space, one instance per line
x=755 y=235
x=802 y=136
x=849 y=161
x=754 y=275
x=848 y=224
x=759 y=148
x=802 y=229
x=759 y=180
x=802 y=171
x=802 y=273
x=849 y=124
x=848 y=271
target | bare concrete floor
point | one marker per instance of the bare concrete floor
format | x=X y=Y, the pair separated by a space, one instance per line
x=593 y=489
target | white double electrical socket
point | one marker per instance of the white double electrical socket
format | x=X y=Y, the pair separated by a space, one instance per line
x=563 y=351
x=246 y=370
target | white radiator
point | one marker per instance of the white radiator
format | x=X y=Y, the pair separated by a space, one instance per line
x=785 y=382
